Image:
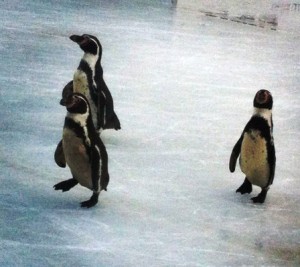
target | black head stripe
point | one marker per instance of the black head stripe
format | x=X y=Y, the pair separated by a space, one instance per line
x=77 y=103
x=95 y=39
x=90 y=44
x=93 y=46
x=83 y=97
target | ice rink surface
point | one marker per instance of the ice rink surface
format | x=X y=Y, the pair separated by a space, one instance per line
x=183 y=85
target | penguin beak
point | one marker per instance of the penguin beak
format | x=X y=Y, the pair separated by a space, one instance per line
x=80 y=40
x=62 y=102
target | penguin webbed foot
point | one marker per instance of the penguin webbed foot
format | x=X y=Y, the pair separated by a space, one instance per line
x=260 y=198
x=65 y=185
x=245 y=188
x=91 y=202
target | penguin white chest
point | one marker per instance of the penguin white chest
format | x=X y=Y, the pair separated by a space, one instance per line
x=77 y=158
x=254 y=158
x=81 y=85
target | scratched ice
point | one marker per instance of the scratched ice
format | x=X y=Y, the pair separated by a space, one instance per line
x=183 y=82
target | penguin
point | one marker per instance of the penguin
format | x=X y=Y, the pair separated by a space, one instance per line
x=84 y=152
x=256 y=148
x=88 y=80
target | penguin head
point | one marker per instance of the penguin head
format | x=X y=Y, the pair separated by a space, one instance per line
x=67 y=91
x=77 y=103
x=263 y=99
x=88 y=43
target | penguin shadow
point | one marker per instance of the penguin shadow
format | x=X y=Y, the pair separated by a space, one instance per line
x=61 y=200
x=46 y=198
x=72 y=200
x=66 y=202
x=244 y=199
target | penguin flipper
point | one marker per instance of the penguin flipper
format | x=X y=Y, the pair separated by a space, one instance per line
x=59 y=155
x=106 y=108
x=104 y=181
x=100 y=110
x=272 y=163
x=104 y=175
x=235 y=154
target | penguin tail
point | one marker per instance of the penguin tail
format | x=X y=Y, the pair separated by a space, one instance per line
x=113 y=123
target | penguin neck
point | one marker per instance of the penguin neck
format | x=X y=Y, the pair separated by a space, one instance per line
x=80 y=119
x=91 y=60
x=93 y=63
x=78 y=125
x=264 y=113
